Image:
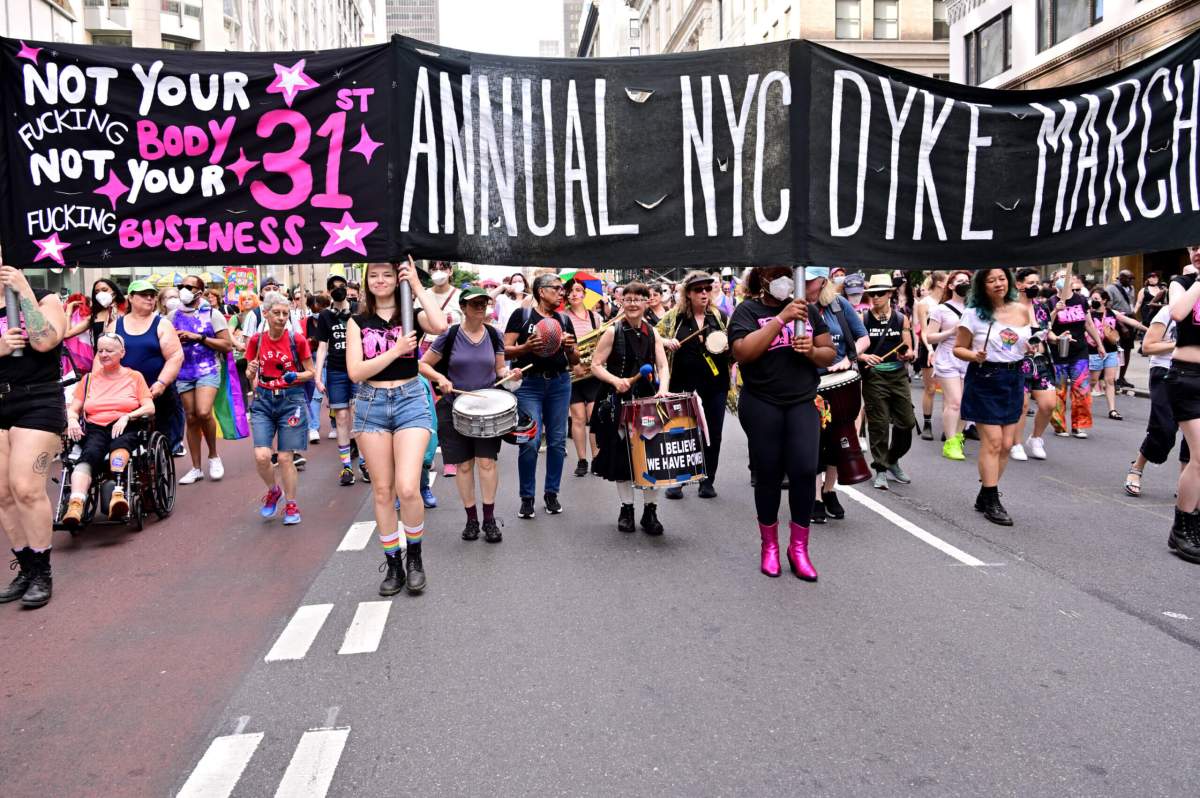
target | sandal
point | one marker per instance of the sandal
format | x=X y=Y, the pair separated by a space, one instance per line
x=1115 y=416
x=1131 y=487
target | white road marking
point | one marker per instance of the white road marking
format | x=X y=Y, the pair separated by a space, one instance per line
x=357 y=536
x=911 y=528
x=218 y=771
x=366 y=630
x=1179 y=616
x=242 y=723
x=299 y=634
x=310 y=772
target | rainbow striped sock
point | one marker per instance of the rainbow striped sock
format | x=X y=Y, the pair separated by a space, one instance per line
x=344 y=455
x=391 y=543
x=412 y=534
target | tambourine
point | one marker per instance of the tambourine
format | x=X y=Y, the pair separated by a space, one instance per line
x=716 y=342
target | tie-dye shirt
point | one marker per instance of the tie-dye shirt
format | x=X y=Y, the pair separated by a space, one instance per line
x=378 y=336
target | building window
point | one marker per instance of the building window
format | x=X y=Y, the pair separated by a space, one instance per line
x=989 y=49
x=192 y=11
x=635 y=50
x=941 y=26
x=112 y=39
x=176 y=44
x=887 y=19
x=635 y=29
x=849 y=19
x=170 y=6
x=1059 y=20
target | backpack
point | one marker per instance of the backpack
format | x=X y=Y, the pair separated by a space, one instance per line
x=443 y=365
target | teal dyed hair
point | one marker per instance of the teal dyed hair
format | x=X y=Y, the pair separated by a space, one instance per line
x=978 y=298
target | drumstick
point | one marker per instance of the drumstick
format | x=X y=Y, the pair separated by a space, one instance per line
x=899 y=346
x=690 y=337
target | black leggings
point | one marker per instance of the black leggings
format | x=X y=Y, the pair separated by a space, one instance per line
x=783 y=439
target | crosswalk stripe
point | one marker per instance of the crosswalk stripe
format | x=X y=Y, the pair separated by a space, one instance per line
x=357 y=536
x=219 y=769
x=310 y=772
x=296 y=638
x=366 y=630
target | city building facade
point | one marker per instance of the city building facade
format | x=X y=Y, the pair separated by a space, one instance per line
x=572 y=10
x=415 y=18
x=608 y=29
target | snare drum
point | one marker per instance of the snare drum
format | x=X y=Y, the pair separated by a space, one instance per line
x=842 y=394
x=666 y=440
x=489 y=413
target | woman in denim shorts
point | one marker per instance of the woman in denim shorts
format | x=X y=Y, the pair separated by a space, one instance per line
x=392 y=422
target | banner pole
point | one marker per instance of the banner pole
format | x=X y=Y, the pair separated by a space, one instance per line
x=12 y=309
x=798 y=292
x=406 y=303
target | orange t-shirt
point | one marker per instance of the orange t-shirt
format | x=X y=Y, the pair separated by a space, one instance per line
x=106 y=398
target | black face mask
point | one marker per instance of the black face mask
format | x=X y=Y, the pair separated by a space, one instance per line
x=1049 y=293
x=1033 y=292
x=1097 y=304
x=338 y=294
x=962 y=289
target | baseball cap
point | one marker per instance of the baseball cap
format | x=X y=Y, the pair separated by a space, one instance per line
x=472 y=292
x=854 y=284
x=138 y=286
x=334 y=278
x=816 y=273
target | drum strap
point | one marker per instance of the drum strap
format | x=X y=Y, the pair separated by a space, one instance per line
x=443 y=366
x=847 y=335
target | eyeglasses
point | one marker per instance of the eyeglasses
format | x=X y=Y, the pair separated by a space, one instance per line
x=556 y=288
x=700 y=289
x=634 y=299
x=146 y=294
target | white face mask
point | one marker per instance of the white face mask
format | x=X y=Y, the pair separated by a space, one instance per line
x=104 y=299
x=518 y=286
x=186 y=296
x=781 y=288
x=172 y=303
x=439 y=277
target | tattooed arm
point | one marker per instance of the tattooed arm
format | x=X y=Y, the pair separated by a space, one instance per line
x=45 y=321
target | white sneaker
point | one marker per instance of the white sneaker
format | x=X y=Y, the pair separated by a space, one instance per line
x=195 y=475
x=216 y=469
x=314 y=436
x=1037 y=447
x=1079 y=433
x=332 y=434
x=1017 y=452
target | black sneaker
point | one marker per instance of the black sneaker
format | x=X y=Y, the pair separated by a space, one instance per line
x=833 y=506
x=970 y=433
x=526 y=510
x=706 y=491
x=347 y=477
x=491 y=532
x=300 y=461
x=581 y=468
x=393 y=582
x=552 y=505
x=416 y=569
x=818 y=512
x=625 y=519
x=471 y=530
x=650 y=523
x=366 y=475
x=674 y=492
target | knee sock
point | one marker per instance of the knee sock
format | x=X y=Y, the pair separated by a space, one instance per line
x=472 y=513
x=489 y=512
x=391 y=543
x=412 y=534
x=344 y=455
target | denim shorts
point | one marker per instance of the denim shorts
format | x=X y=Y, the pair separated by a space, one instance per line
x=339 y=389
x=207 y=381
x=283 y=413
x=1109 y=360
x=390 y=409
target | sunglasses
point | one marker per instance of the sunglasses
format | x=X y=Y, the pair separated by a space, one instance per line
x=478 y=304
x=700 y=289
x=146 y=294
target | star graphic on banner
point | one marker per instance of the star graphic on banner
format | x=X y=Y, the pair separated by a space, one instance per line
x=337 y=73
x=347 y=234
x=114 y=189
x=28 y=53
x=366 y=145
x=105 y=254
x=242 y=165
x=290 y=81
x=51 y=248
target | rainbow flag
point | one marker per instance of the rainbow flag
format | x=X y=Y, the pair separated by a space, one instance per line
x=230 y=407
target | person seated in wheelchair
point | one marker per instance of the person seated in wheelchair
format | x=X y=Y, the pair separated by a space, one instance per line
x=102 y=415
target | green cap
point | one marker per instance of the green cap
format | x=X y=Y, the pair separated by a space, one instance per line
x=137 y=286
x=472 y=292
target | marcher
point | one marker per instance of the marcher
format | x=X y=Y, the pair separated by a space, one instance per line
x=1183 y=392
x=104 y=418
x=776 y=409
x=1161 y=429
x=993 y=338
x=333 y=377
x=1070 y=320
x=33 y=416
x=469 y=356
x=204 y=334
x=1111 y=325
x=621 y=352
x=655 y=308
x=545 y=392
x=887 y=397
x=584 y=387
x=934 y=294
x=319 y=303
x=1121 y=300
x=949 y=371
x=152 y=349
x=392 y=419
x=1151 y=299
x=1038 y=369
x=695 y=368
x=107 y=305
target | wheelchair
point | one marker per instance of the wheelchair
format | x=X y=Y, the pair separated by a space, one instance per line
x=149 y=483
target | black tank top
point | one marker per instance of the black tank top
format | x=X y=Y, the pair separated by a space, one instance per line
x=32 y=368
x=635 y=349
x=1187 y=330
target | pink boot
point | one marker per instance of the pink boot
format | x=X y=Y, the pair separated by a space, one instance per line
x=770 y=548
x=797 y=554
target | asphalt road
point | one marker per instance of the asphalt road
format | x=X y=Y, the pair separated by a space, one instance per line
x=938 y=654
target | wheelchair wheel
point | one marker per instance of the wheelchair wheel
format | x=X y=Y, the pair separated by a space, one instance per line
x=163 y=475
x=137 y=514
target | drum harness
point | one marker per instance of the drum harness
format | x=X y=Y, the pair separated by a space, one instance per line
x=605 y=410
x=443 y=365
x=847 y=336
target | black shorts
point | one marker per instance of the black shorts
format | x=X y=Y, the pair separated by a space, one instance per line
x=98 y=441
x=923 y=359
x=458 y=448
x=1183 y=391
x=586 y=390
x=41 y=408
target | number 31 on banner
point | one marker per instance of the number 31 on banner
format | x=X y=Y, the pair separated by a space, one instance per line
x=291 y=162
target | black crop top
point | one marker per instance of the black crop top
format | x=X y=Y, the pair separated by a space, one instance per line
x=378 y=336
x=1187 y=330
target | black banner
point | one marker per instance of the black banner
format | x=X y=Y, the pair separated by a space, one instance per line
x=776 y=153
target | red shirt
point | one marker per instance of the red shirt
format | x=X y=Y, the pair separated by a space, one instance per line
x=277 y=357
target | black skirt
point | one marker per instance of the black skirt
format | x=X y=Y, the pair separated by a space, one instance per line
x=994 y=393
